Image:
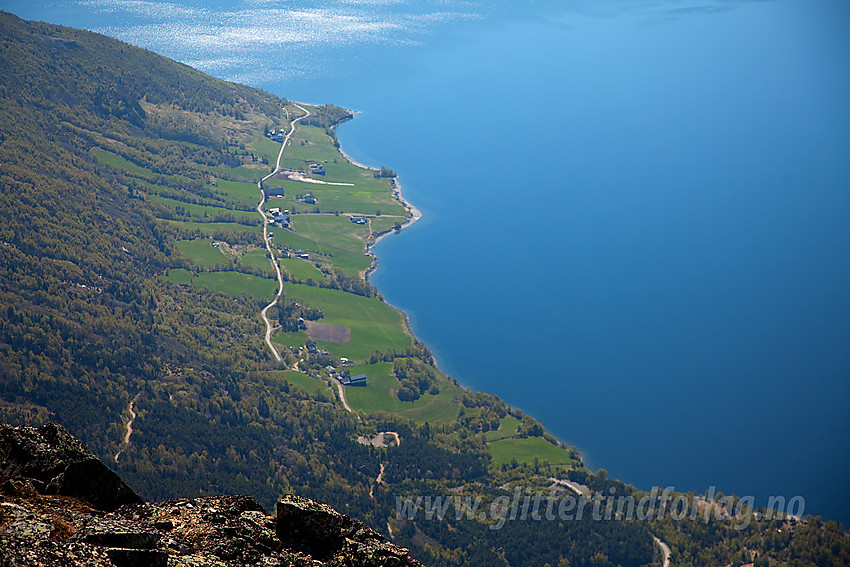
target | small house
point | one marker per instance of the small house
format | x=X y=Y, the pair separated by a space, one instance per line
x=311 y=347
x=309 y=199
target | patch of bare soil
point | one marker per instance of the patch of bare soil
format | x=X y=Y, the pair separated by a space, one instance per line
x=329 y=333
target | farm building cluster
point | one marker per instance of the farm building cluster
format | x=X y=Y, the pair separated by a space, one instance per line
x=280 y=218
x=276 y=135
x=344 y=378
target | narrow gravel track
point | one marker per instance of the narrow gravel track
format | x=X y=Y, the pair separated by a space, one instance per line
x=129 y=427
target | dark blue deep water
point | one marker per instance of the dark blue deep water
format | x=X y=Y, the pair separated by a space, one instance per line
x=637 y=217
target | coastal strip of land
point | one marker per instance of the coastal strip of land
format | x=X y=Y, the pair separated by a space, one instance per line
x=275 y=265
x=307 y=261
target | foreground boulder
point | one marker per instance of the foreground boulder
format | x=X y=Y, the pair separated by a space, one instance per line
x=40 y=525
x=323 y=533
x=54 y=462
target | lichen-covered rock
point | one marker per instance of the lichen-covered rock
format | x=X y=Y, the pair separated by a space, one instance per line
x=41 y=527
x=57 y=463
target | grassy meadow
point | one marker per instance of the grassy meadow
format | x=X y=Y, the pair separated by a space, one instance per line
x=230 y=283
x=373 y=323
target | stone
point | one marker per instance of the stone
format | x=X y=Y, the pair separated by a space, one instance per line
x=138 y=557
x=109 y=532
x=318 y=530
x=59 y=464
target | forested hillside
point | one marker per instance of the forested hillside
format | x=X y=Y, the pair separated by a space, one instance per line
x=118 y=170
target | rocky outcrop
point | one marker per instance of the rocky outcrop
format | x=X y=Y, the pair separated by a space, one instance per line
x=57 y=463
x=40 y=525
x=323 y=533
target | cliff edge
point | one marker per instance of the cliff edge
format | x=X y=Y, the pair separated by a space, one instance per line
x=60 y=505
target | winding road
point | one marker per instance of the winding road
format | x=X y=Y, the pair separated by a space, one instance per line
x=129 y=430
x=341 y=391
x=665 y=551
x=264 y=312
x=378 y=480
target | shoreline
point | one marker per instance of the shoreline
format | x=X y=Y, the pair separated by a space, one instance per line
x=375 y=237
x=416 y=214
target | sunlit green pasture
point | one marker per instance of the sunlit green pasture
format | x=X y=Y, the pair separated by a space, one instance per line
x=106 y=157
x=508 y=427
x=301 y=380
x=374 y=324
x=301 y=269
x=384 y=223
x=210 y=228
x=338 y=240
x=380 y=395
x=230 y=283
x=202 y=253
x=239 y=191
x=257 y=259
x=524 y=450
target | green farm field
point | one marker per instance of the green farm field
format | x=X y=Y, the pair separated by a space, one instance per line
x=336 y=239
x=291 y=339
x=114 y=160
x=373 y=323
x=301 y=380
x=206 y=211
x=230 y=283
x=358 y=199
x=508 y=427
x=524 y=450
x=239 y=191
x=210 y=228
x=380 y=395
x=257 y=259
x=202 y=254
x=384 y=223
x=301 y=269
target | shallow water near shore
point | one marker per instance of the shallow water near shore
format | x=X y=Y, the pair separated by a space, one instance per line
x=636 y=220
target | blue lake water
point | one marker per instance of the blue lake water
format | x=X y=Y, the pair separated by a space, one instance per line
x=637 y=217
